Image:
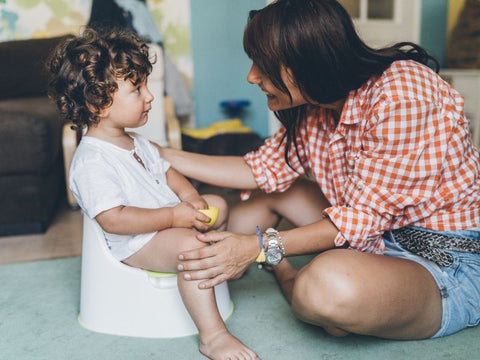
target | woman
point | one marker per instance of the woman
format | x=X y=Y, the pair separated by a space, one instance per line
x=394 y=209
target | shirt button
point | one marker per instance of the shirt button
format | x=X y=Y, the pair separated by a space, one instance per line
x=359 y=186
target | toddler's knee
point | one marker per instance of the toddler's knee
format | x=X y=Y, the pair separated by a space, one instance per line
x=189 y=241
x=222 y=205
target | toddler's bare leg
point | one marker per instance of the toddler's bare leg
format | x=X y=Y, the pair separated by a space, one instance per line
x=160 y=254
x=216 y=342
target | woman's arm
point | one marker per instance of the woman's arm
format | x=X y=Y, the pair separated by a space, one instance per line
x=225 y=171
x=230 y=256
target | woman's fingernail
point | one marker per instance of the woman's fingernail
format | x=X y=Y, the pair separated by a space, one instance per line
x=180 y=267
x=180 y=257
x=187 y=277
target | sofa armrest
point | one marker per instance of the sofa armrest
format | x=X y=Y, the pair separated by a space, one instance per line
x=174 y=133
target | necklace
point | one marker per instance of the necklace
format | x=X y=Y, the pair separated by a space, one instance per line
x=138 y=159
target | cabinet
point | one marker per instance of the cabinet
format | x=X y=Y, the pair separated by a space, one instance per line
x=467 y=83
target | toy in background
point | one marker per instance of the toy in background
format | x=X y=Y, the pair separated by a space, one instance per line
x=233 y=124
x=225 y=137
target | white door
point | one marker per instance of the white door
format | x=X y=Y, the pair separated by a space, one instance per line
x=385 y=22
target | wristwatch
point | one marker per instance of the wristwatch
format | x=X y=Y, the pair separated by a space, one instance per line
x=275 y=251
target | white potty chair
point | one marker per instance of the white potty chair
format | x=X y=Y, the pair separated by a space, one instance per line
x=121 y=300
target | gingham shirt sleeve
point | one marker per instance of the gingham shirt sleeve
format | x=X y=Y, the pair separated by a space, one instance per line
x=395 y=173
x=269 y=167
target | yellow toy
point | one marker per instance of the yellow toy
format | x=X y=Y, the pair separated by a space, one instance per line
x=218 y=127
x=232 y=125
x=212 y=213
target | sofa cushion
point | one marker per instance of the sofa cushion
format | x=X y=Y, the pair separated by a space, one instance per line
x=30 y=136
x=29 y=201
x=23 y=64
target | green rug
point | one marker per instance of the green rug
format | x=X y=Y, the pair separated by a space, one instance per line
x=39 y=303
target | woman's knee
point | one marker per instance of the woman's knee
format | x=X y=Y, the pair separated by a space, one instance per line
x=323 y=292
x=221 y=203
x=215 y=200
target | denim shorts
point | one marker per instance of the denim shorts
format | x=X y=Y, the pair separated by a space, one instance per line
x=458 y=284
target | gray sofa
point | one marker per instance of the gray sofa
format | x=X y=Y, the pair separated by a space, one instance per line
x=31 y=165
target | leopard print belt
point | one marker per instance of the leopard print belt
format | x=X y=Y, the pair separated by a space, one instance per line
x=432 y=246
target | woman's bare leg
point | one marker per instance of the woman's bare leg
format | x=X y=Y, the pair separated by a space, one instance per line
x=302 y=204
x=368 y=294
x=223 y=211
x=342 y=290
x=285 y=273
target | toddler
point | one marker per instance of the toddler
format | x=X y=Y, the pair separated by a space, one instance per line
x=149 y=212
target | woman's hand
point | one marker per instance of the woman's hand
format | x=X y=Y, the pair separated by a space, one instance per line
x=228 y=258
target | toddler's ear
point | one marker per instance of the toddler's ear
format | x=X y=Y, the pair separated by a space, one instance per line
x=102 y=113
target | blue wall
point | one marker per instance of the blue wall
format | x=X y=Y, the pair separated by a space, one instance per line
x=221 y=66
x=434 y=27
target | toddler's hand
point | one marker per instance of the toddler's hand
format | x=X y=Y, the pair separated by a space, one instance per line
x=186 y=216
x=197 y=201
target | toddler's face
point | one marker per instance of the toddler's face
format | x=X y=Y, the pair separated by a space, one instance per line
x=130 y=106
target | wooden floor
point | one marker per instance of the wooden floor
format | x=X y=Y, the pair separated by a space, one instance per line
x=62 y=239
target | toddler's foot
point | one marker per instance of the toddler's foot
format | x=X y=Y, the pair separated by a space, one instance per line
x=224 y=346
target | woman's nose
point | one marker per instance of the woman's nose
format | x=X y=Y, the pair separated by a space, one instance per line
x=254 y=75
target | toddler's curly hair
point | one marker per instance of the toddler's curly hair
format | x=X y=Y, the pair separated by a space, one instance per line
x=85 y=69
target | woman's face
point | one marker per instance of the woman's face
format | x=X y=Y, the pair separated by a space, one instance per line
x=276 y=99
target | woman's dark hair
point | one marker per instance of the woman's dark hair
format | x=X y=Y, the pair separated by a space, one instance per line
x=85 y=69
x=317 y=41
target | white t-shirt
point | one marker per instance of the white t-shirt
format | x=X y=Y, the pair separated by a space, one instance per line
x=104 y=176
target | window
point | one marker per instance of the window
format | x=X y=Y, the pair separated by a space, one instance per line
x=380 y=9
x=370 y=9
x=385 y=22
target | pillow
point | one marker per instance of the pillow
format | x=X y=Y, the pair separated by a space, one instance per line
x=23 y=67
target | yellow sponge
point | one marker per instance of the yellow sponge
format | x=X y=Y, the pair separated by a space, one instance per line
x=212 y=213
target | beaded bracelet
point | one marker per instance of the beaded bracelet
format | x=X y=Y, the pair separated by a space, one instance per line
x=261 y=256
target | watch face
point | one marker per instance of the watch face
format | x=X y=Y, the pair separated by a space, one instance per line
x=273 y=256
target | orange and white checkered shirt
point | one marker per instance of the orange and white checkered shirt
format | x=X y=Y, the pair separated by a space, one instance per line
x=400 y=155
